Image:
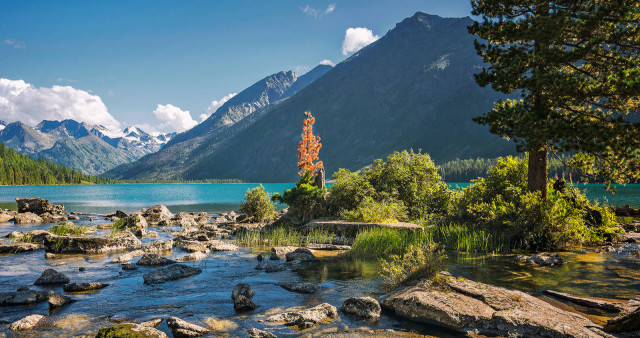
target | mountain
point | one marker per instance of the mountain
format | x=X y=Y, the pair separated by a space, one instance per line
x=186 y=149
x=90 y=149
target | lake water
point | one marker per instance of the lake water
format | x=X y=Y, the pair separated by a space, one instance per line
x=206 y=197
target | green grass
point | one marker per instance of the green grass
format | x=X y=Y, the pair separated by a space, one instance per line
x=66 y=229
x=466 y=238
x=383 y=242
x=626 y=219
x=282 y=236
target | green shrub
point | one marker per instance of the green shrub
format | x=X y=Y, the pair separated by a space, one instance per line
x=304 y=200
x=383 y=241
x=416 y=263
x=501 y=203
x=372 y=211
x=68 y=228
x=406 y=177
x=258 y=205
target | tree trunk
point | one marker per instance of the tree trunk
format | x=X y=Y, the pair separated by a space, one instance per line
x=537 y=175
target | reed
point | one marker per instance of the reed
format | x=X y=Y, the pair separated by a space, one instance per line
x=68 y=228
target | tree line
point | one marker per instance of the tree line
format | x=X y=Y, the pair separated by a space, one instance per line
x=19 y=169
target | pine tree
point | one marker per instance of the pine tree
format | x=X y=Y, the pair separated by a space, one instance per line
x=309 y=147
x=575 y=65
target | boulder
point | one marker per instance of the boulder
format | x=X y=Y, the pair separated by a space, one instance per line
x=146 y=233
x=182 y=328
x=57 y=300
x=6 y=216
x=625 y=323
x=27 y=323
x=138 y=221
x=51 y=276
x=362 y=307
x=22 y=297
x=130 y=330
x=157 y=214
x=190 y=245
x=172 y=272
x=195 y=256
x=275 y=268
x=90 y=245
x=241 y=296
x=49 y=218
x=255 y=333
x=14 y=248
x=27 y=218
x=82 y=287
x=306 y=318
x=478 y=308
x=302 y=255
x=124 y=258
x=119 y=214
x=183 y=219
x=129 y=267
x=281 y=251
x=217 y=246
x=158 y=246
x=542 y=259
x=38 y=206
x=155 y=322
x=154 y=260
x=300 y=287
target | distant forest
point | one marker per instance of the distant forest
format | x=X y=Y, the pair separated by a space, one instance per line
x=466 y=170
x=18 y=169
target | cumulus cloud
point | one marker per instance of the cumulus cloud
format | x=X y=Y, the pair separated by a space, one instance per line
x=21 y=101
x=318 y=13
x=174 y=118
x=327 y=62
x=15 y=43
x=357 y=38
x=215 y=104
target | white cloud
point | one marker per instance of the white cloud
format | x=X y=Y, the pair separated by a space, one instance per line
x=174 y=118
x=15 y=43
x=318 y=13
x=357 y=38
x=327 y=62
x=300 y=70
x=215 y=104
x=21 y=101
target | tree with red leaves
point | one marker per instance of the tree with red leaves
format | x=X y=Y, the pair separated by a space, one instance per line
x=309 y=148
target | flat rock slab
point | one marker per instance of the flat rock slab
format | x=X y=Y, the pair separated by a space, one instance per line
x=91 y=245
x=172 y=272
x=27 y=323
x=307 y=288
x=328 y=247
x=15 y=248
x=282 y=250
x=182 y=328
x=472 y=307
x=351 y=229
x=22 y=297
x=589 y=302
x=154 y=260
x=82 y=287
x=306 y=318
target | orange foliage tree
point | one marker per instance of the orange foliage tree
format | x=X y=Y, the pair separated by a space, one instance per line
x=309 y=147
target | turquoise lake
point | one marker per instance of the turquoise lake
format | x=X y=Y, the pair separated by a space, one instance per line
x=206 y=197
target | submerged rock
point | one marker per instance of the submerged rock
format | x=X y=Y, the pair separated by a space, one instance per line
x=543 y=259
x=51 y=276
x=15 y=248
x=27 y=323
x=629 y=322
x=478 y=308
x=81 y=287
x=154 y=260
x=306 y=318
x=22 y=297
x=300 y=287
x=195 y=256
x=182 y=328
x=362 y=307
x=27 y=218
x=130 y=330
x=255 y=333
x=172 y=272
x=89 y=245
x=241 y=296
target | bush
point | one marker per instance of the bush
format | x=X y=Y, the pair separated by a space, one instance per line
x=257 y=204
x=304 y=200
x=501 y=203
x=406 y=177
x=371 y=211
x=68 y=228
x=416 y=263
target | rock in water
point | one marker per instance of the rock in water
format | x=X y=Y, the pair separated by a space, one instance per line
x=27 y=218
x=51 y=276
x=172 y=272
x=625 y=323
x=22 y=297
x=300 y=287
x=255 y=333
x=157 y=214
x=38 y=206
x=154 y=260
x=195 y=256
x=362 y=307
x=182 y=328
x=130 y=330
x=27 y=323
x=124 y=258
x=301 y=255
x=81 y=287
x=57 y=300
x=90 y=245
x=542 y=259
x=306 y=318
x=15 y=248
x=241 y=296
x=158 y=246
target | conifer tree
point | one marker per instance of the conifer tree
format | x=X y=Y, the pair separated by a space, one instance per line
x=575 y=65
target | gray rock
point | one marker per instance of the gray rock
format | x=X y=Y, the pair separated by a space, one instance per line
x=90 y=245
x=22 y=297
x=274 y=257
x=154 y=260
x=130 y=330
x=157 y=214
x=255 y=333
x=270 y=268
x=241 y=296
x=300 y=287
x=543 y=259
x=27 y=218
x=155 y=322
x=194 y=256
x=362 y=307
x=124 y=258
x=27 y=323
x=328 y=247
x=182 y=328
x=158 y=246
x=302 y=255
x=306 y=318
x=38 y=206
x=14 y=248
x=57 y=300
x=282 y=250
x=81 y=287
x=129 y=267
x=172 y=272
x=51 y=276
x=190 y=245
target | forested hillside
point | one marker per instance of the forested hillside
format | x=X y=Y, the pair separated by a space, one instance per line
x=18 y=169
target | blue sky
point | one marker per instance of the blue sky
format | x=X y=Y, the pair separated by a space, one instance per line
x=135 y=55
